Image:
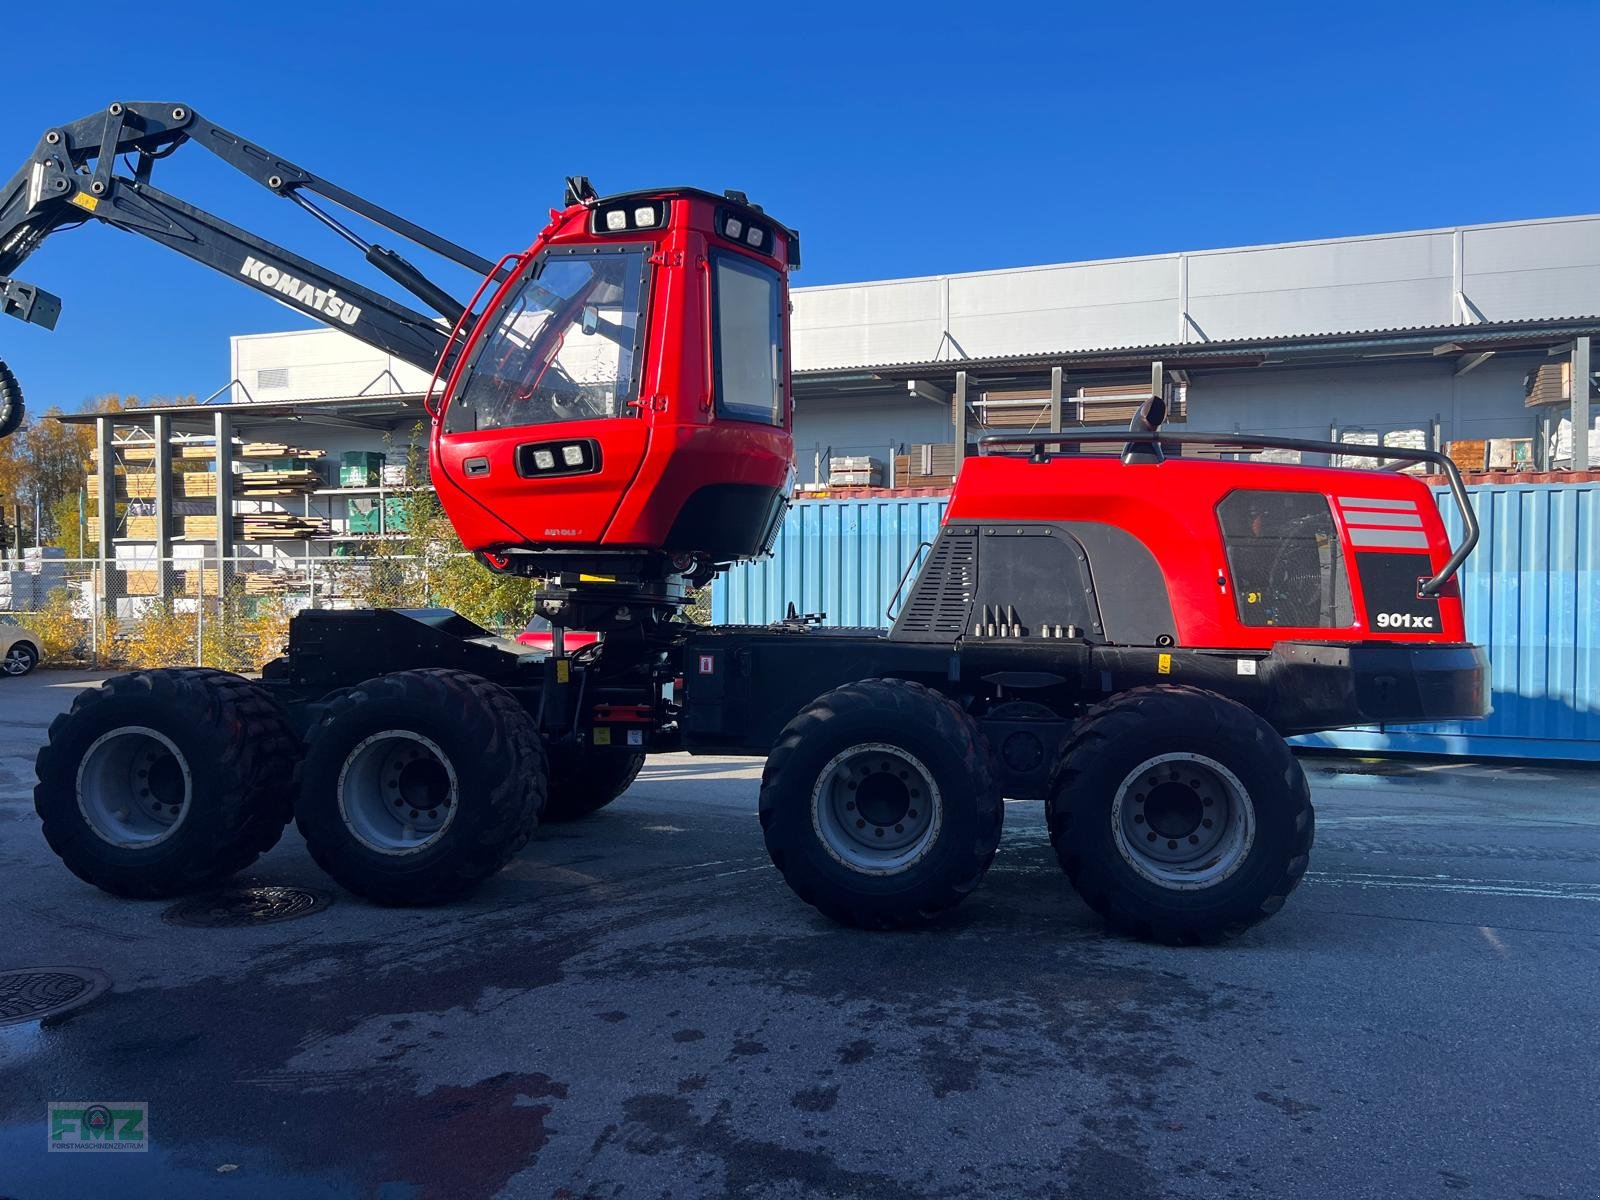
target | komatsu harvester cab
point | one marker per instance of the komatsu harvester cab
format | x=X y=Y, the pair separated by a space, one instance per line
x=622 y=404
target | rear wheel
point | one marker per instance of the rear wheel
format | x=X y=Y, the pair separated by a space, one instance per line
x=417 y=786
x=584 y=780
x=158 y=783
x=1180 y=815
x=879 y=804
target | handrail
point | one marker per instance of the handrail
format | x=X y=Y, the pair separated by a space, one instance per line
x=888 y=613
x=1458 y=489
x=459 y=330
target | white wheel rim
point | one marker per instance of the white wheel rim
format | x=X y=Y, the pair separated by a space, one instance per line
x=1183 y=821
x=134 y=787
x=397 y=792
x=876 y=808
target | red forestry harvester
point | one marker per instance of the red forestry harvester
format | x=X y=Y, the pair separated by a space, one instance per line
x=1128 y=637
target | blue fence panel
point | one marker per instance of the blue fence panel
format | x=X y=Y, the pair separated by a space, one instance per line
x=1532 y=591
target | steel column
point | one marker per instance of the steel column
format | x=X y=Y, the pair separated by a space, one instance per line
x=961 y=418
x=161 y=429
x=1580 y=404
x=222 y=429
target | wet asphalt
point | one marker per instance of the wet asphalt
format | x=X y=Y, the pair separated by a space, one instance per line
x=637 y=1007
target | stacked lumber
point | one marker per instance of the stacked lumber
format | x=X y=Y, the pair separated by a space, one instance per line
x=193 y=527
x=267 y=526
x=273 y=583
x=926 y=464
x=145 y=452
x=292 y=482
x=278 y=450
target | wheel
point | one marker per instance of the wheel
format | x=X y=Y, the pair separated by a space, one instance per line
x=12 y=410
x=418 y=786
x=880 y=806
x=584 y=780
x=158 y=783
x=1179 y=816
x=22 y=658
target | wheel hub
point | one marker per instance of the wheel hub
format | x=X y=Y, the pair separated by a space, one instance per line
x=876 y=808
x=134 y=787
x=1183 y=820
x=397 y=792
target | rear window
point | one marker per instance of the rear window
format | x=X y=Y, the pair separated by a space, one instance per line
x=1287 y=563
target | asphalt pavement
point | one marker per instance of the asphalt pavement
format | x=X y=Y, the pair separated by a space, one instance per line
x=637 y=1007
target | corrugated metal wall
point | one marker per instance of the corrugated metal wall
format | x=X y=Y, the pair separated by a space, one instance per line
x=1532 y=590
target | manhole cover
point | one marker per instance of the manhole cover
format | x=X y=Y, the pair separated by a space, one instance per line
x=247 y=906
x=36 y=993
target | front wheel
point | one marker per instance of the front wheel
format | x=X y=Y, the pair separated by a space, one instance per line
x=880 y=806
x=1179 y=815
x=419 y=785
x=21 y=659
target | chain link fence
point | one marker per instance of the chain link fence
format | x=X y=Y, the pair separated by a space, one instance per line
x=196 y=609
x=201 y=610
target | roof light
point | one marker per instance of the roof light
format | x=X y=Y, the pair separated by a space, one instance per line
x=753 y=238
x=571 y=455
x=544 y=460
x=644 y=217
x=734 y=228
x=616 y=219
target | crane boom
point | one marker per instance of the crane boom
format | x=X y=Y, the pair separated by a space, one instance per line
x=71 y=178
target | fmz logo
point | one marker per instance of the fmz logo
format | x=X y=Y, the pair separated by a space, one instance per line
x=81 y=1125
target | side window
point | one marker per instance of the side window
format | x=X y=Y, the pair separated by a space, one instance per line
x=1286 y=560
x=749 y=340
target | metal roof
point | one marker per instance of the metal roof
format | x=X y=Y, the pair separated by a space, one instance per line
x=1428 y=339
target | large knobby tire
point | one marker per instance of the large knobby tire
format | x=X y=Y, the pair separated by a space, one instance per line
x=1180 y=816
x=158 y=783
x=880 y=805
x=417 y=786
x=584 y=780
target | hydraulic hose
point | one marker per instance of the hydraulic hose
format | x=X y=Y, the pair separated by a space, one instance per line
x=11 y=410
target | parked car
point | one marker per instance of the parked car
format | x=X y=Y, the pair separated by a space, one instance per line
x=19 y=648
x=537 y=636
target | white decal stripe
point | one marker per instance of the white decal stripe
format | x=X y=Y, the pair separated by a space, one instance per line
x=1392 y=520
x=1366 y=502
x=1389 y=539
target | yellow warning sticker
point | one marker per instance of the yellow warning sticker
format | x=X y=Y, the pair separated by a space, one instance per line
x=87 y=203
x=602 y=737
x=1164 y=664
x=563 y=671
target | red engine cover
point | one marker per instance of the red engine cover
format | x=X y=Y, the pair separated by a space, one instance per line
x=1383 y=521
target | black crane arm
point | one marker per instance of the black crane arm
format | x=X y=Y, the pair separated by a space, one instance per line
x=70 y=179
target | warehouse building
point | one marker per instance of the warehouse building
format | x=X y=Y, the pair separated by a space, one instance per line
x=1466 y=338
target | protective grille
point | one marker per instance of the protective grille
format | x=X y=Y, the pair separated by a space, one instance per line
x=942 y=596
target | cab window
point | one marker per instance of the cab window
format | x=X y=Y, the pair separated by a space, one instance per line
x=747 y=328
x=1286 y=560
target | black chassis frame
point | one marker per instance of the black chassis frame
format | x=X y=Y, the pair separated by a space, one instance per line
x=656 y=683
x=736 y=687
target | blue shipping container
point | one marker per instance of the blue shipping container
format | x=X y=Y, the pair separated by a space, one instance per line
x=1532 y=591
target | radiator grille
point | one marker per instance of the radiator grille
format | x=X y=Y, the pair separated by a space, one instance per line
x=942 y=595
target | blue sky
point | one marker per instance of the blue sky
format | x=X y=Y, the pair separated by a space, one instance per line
x=901 y=138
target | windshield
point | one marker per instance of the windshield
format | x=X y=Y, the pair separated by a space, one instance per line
x=563 y=348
